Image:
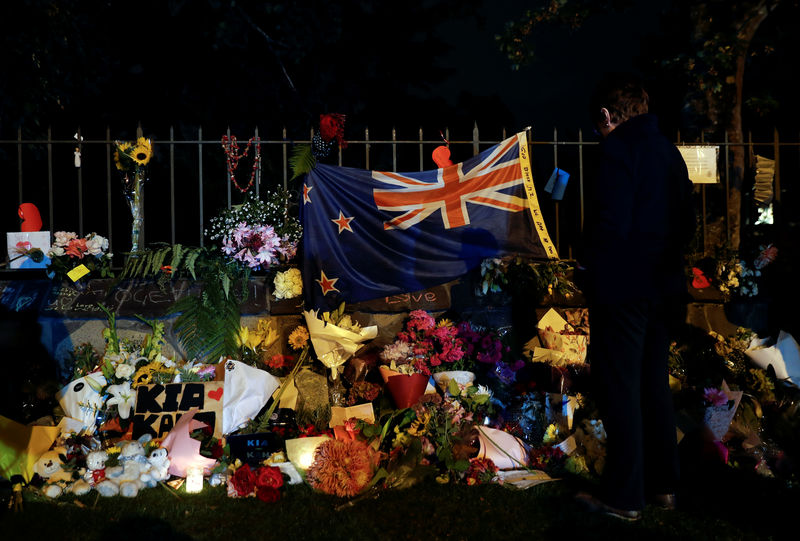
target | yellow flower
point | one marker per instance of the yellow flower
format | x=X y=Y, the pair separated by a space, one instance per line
x=420 y=425
x=121 y=147
x=142 y=153
x=268 y=333
x=445 y=323
x=298 y=338
x=247 y=339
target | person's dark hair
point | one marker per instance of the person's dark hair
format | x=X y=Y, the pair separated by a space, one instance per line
x=622 y=94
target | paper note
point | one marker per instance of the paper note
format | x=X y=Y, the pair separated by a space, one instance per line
x=78 y=272
x=701 y=161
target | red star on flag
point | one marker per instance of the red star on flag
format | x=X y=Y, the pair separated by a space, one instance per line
x=326 y=283
x=343 y=222
x=306 y=190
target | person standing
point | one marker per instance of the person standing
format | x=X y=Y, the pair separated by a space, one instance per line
x=641 y=219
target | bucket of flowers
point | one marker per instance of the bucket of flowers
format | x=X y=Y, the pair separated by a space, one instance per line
x=425 y=348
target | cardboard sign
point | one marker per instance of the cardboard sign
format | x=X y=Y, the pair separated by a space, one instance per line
x=158 y=407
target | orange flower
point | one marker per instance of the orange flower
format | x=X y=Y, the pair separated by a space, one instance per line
x=342 y=467
x=76 y=248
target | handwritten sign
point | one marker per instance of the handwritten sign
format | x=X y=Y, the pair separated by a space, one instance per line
x=135 y=297
x=433 y=299
x=158 y=407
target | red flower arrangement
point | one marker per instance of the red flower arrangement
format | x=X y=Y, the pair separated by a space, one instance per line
x=264 y=483
x=481 y=471
x=427 y=346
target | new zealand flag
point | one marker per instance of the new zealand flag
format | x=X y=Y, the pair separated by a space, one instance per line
x=371 y=234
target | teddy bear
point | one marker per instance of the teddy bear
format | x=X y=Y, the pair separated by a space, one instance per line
x=95 y=476
x=49 y=466
x=159 y=465
x=133 y=472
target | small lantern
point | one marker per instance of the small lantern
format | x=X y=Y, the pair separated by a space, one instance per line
x=300 y=451
x=194 y=479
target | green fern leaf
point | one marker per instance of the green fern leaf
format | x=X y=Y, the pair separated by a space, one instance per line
x=301 y=161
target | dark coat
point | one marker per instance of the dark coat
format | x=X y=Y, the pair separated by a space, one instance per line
x=641 y=217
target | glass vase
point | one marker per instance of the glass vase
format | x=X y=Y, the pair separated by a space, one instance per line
x=133 y=186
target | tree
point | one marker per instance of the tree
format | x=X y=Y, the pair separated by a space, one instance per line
x=713 y=62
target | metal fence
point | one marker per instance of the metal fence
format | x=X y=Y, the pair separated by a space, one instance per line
x=189 y=183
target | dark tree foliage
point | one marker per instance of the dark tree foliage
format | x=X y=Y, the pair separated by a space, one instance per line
x=218 y=62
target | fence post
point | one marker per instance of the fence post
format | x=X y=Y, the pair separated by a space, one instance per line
x=172 y=183
x=200 y=179
x=108 y=188
x=394 y=149
x=80 y=186
x=727 y=189
x=285 y=163
x=257 y=141
x=421 y=163
x=19 y=166
x=366 y=148
x=476 y=139
x=777 y=186
x=580 y=175
x=228 y=132
x=555 y=203
x=51 y=204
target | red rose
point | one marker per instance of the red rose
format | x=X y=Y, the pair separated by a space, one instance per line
x=269 y=476
x=218 y=450
x=243 y=481
x=268 y=494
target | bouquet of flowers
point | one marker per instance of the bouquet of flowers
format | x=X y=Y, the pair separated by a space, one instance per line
x=272 y=213
x=425 y=346
x=255 y=246
x=253 y=344
x=130 y=156
x=264 y=482
x=75 y=257
x=736 y=277
x=288 y=284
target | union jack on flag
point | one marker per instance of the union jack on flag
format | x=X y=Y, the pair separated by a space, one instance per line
x=485 y=184
x=372 y=234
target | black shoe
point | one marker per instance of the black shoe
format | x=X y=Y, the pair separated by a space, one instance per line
x=664 y=501
x=594 y=505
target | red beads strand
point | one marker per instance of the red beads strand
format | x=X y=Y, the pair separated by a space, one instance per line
x=231 y=147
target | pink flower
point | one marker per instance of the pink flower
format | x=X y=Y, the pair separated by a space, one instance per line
x=716 y=397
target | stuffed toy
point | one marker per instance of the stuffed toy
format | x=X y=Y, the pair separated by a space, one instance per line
x=50 y=468
x=95 y=476
x=159 y=465
x=133 y=472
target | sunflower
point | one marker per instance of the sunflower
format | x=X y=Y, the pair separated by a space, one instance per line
x=298 y=338
x=121 y=148
x=142 y=152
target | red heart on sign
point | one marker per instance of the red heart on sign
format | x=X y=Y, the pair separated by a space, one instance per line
x=216 y=395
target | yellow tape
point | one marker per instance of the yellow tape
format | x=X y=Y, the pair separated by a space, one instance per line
x=533 y=201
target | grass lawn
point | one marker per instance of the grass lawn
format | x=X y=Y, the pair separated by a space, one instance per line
x=717 y=503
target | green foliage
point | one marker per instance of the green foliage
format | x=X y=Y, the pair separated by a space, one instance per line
x=84 y=359
x=165 y=261
x=518 y=275
x=302 y=161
